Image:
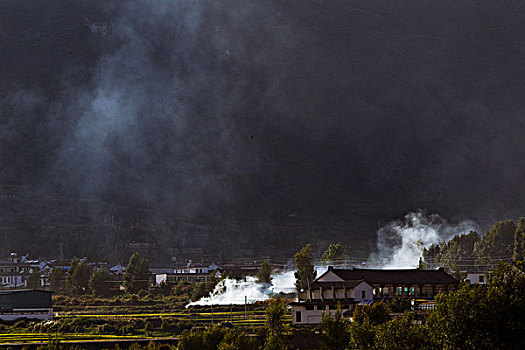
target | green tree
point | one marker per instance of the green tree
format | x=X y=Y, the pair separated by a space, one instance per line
x=57 y=279
x=209 y=339
x=304 y=261
x=77 y=281
x=519 y=241
x=482 y=317
x=275 y=325
x=100 y=282
x=401 y=333
x=236 y=339
x=334 y=332
x=198 y=290
x=455 y=254
x=33 y=280
x=265 y=273
x=136 y=277
x=497 y=243
x=334 y=254
x=421 y=264
x=399 y=303
x=362 y=334
x=377 y=313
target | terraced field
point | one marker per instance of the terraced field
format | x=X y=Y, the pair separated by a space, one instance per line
x=237 y=318
x=11 y=338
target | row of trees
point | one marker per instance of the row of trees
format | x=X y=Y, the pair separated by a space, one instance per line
x=304 y=262
x=473 y=317
x=505 y=240
x=81 y=278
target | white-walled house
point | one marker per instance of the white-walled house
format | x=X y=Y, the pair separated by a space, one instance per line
x=190 y=273
x=326 y=300
x=348 y=287
x=476 y=278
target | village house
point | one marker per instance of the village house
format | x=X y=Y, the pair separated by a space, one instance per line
x=475 y=277
x=348 y=287
x=190 y=273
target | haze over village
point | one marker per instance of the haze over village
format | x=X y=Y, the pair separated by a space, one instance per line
x=262 y=175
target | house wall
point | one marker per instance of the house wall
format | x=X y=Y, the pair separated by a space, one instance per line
x=311 y=316
x=476 y=278
x=360 y=288
x=330 y=277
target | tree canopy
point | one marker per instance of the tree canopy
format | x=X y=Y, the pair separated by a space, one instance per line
x=265 y=273
x=519 y=241
x=497 y=243
x=136 y=277
x=304 y=261
x=77 y=281
x=275 y=325
x=100 y=282
x=334 y=254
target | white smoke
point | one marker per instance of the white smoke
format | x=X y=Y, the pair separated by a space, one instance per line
x=400 y=243
x=237 y=292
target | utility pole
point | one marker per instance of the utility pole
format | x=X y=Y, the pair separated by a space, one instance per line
x=245 y=307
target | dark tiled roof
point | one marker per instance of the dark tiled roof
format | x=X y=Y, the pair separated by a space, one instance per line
x=412 y=276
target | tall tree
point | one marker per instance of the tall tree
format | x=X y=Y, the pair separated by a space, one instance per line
x=265 y=273
x=304 y=261
x=497 y=243
x=77 y=281
x=334 y=254
x=33 y=280
x=100 y=282
x=482 y=317
x=401 y=333
x=275 y=325
x=136 y=277
x=57 y=279
x=519 y=241
x=334 y=332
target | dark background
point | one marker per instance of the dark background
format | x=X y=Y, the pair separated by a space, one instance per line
x=316 y=113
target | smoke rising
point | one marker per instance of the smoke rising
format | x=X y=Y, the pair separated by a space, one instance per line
x=236 y=292
x=233 y=292
x=400 y=243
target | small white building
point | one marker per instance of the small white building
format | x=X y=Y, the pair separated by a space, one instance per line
x=190 y=273
x=476 y=278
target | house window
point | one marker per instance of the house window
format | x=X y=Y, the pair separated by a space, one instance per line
x=411 y=291
x=399 y=290
x=481 y=279
x=363 y=294
x=309 y=307
x=298 y=316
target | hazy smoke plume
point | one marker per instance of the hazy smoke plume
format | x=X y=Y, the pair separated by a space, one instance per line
x=233 y=292
x=255 y=110
x=400 y=243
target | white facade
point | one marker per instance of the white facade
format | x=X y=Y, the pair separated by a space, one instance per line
x=476 y=278
x=325 y=301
